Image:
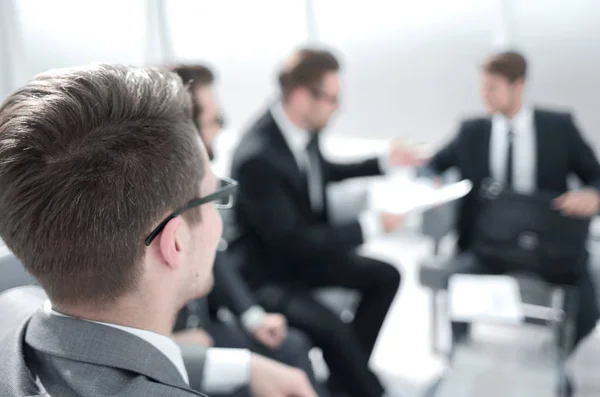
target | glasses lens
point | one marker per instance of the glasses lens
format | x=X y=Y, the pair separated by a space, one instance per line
x=225 y=201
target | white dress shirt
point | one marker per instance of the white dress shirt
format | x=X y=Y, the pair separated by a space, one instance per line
x=225 y=370
x=524 y=149
x=297 y=140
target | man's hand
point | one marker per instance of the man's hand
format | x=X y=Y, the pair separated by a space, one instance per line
x=193 y=337
x=391 y=222
x=583 y=203
x=402 y=155
x=269 y=378
x=273 y=330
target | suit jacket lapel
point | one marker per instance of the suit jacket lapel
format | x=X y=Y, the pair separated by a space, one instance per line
x=102 y=345
x=322 y=169
x=545 y=161
x=481 y=151
x=284 y=157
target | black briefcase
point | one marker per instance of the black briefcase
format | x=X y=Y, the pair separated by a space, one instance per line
x=517 y=232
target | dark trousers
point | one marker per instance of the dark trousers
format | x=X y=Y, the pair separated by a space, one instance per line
x=585 y=292
x=346 y=347
x=293 y=351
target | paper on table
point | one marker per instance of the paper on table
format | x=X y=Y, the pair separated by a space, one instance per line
x=475 y=297
x=417 y=196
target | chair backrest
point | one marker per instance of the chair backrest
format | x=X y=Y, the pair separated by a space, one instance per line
x=12 y=273
x=438 y=222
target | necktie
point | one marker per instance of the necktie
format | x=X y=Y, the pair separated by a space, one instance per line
x=509 y=160
x=313 y=174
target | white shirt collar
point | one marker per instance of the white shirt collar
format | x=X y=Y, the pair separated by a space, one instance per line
x=520 y=121
x=296 y=138
x=162 y=343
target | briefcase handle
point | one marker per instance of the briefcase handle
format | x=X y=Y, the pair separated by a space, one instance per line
x=490 y=188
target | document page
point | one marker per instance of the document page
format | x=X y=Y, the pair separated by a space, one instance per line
x=475 y=297
x=415 y=196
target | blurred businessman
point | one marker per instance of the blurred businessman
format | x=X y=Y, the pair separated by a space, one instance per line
x=285 y=243
x=255 y=329
x=107 y=197
x=528 y=149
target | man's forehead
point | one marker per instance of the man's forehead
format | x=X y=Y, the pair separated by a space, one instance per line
x=204 y=92
x=210 y=182
x=206 y=98
x=205 y=159
x=331 y=82
x=291 y=63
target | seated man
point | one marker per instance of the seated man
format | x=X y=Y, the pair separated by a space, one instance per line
x=285 y=244
x=265 y=333
x=107 y=198
x=528 y=149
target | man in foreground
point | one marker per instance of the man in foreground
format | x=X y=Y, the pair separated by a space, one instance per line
x=107 y=198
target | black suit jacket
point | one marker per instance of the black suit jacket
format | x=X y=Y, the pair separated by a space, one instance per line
x=561 y=151
x=277 y=233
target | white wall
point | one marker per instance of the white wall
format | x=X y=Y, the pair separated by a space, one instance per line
x=562 y=40
x=244 y=40
x=410 y=68
x=61 y=33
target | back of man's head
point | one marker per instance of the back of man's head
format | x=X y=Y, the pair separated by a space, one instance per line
x=91 y=159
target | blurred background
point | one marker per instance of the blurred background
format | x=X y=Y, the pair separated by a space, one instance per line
x=409 y=70
x=409 y=67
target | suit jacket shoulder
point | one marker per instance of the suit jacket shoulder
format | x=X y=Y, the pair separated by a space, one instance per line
x=552 y=114
x=16 y=307
x=474 y=125
x=256 y=136
x=260 y=143
x=67 y=357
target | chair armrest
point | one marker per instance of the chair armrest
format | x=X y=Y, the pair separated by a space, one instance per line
x=347 y=199
x=439 y=222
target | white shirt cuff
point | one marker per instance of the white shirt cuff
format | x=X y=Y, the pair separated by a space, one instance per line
x=253 y=318
x=225 y=370
x=370 y=224
x=384 y=163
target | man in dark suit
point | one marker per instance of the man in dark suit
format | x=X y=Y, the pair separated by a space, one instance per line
x=284 y=243
x=108 y=200
x=528 y=149
x=203 y=322
x=253 y=328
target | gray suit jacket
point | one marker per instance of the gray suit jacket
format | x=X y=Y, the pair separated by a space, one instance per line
x=45 y=355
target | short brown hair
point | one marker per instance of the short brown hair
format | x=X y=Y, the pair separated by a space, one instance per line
x=195 y=76
x=509 y=64
x=306 y=68
x=91 y=159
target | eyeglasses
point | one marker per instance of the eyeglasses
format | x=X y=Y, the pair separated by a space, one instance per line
x=223 y=198
x=332 y=99
x=218 y=121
